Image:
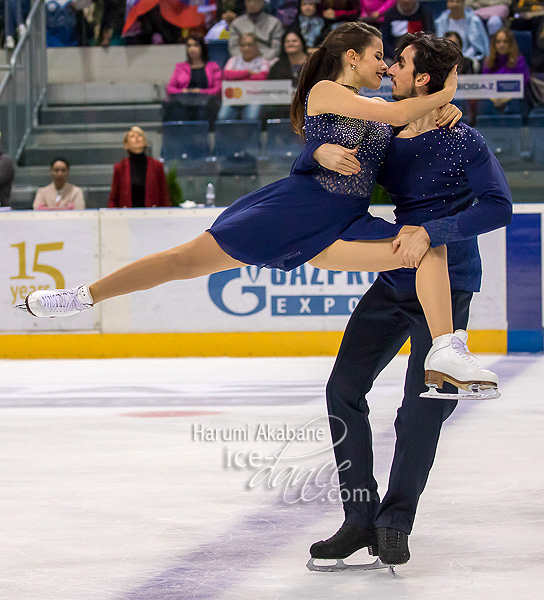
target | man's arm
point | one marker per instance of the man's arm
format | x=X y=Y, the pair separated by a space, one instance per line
x=331 y=156
x=494 y=207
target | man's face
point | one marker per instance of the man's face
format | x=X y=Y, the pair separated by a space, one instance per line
x=248 y=48
x=254 y=6
x=308 y=8
x=407 y=5
x=456 y=6
x=403 y=76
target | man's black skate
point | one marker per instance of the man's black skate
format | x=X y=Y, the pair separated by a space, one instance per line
x=347 y=540
x=392 y=546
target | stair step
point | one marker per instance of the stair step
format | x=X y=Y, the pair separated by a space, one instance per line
x=81 y=175
x=138 y=113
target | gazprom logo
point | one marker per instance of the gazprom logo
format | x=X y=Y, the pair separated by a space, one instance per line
x=304 y=291
x=508 y=86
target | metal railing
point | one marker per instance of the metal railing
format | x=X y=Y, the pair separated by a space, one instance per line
x=23 y=84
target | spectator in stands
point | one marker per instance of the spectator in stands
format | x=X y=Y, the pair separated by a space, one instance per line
x=14 y=25
x=309 y=24
x=492 y=12
x=287 y=11
x=59 y=194
x=407 y=16
x=372 y=11
x=267 y=29
x=335 y=12
x=469 y=107
x=469 y=26
x=194 y=89
x=138 y=180
x=221 y=29
x=293 y=56
x=7 y=174
x=467 y=66
x=505 y=57
x=249 y=66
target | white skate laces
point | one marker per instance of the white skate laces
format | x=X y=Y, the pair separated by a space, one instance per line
x=449 y=360
x=462 y=350
x=58 y=303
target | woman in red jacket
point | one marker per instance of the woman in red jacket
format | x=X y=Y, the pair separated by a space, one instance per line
x=138 y=180
x=195 y=86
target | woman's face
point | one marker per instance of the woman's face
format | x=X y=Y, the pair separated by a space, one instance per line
x=370 y=66
x=194 y=51
x=59 y=173
x=292 y=44
x=502 y=46
x=308 y=8
x=135 y=142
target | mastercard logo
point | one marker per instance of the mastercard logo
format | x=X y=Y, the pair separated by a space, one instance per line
x=233 y=92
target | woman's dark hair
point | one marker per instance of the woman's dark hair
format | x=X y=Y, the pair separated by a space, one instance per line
x=326 y=63
x=61 y=159
x=282 y=68
x=513 y=51
x=454 y=34
x=203 y=48
x=434 y=56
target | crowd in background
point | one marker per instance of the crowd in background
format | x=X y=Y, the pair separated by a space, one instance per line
x=269 y=40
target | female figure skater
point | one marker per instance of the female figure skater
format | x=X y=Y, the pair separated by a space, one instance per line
x=321 y=218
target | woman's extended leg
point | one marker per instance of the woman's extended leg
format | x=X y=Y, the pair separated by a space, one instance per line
x=432 y=278
x=201 y=256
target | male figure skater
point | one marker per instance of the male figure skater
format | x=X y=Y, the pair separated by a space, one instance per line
x=434 y=178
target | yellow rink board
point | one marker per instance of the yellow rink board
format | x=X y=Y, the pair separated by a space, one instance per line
x=273 y=343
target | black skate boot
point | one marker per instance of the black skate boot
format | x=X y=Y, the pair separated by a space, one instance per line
x=392 y=546
x=347 y=540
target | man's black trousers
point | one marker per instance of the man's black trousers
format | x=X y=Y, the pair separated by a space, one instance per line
x=379 y=326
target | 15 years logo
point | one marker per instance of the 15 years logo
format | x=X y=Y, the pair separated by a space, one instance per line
x=20 y=291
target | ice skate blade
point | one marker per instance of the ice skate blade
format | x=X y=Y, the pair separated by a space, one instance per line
x=23 y=307
x=342 y=566
x=486 y=394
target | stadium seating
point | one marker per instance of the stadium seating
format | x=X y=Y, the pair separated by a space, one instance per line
x=503 y=136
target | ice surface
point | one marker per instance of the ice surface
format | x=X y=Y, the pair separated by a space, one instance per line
x=104 y=498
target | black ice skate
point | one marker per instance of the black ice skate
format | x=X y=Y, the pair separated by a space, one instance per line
x=347 y=540
x=392 y=546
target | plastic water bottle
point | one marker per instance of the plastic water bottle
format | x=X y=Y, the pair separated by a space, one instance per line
x=210 y=195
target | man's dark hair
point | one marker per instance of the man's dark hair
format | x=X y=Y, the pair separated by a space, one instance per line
x=61 y=159
x=435 y=56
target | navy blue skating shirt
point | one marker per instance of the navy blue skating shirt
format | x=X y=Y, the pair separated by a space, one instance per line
x=449 y=182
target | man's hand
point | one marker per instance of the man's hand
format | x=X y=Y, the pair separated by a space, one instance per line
x=411 y=245
x=337 y=158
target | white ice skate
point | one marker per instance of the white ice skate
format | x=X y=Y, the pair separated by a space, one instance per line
x=58 y=303
x=449 y=360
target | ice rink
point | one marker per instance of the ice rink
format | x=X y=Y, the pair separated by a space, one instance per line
x=113 y=488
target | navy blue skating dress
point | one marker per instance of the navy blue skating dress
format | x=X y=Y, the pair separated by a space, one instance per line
x=287 y=223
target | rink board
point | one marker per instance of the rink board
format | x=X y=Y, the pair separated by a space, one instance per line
x=242 y=312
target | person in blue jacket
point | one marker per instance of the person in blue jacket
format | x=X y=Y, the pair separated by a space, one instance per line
x=434 y=177
x=470 y=28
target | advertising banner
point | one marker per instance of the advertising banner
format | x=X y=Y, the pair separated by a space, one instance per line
x=469 y=87
x=238 y=93
x=46 y=251
x=252 y=299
